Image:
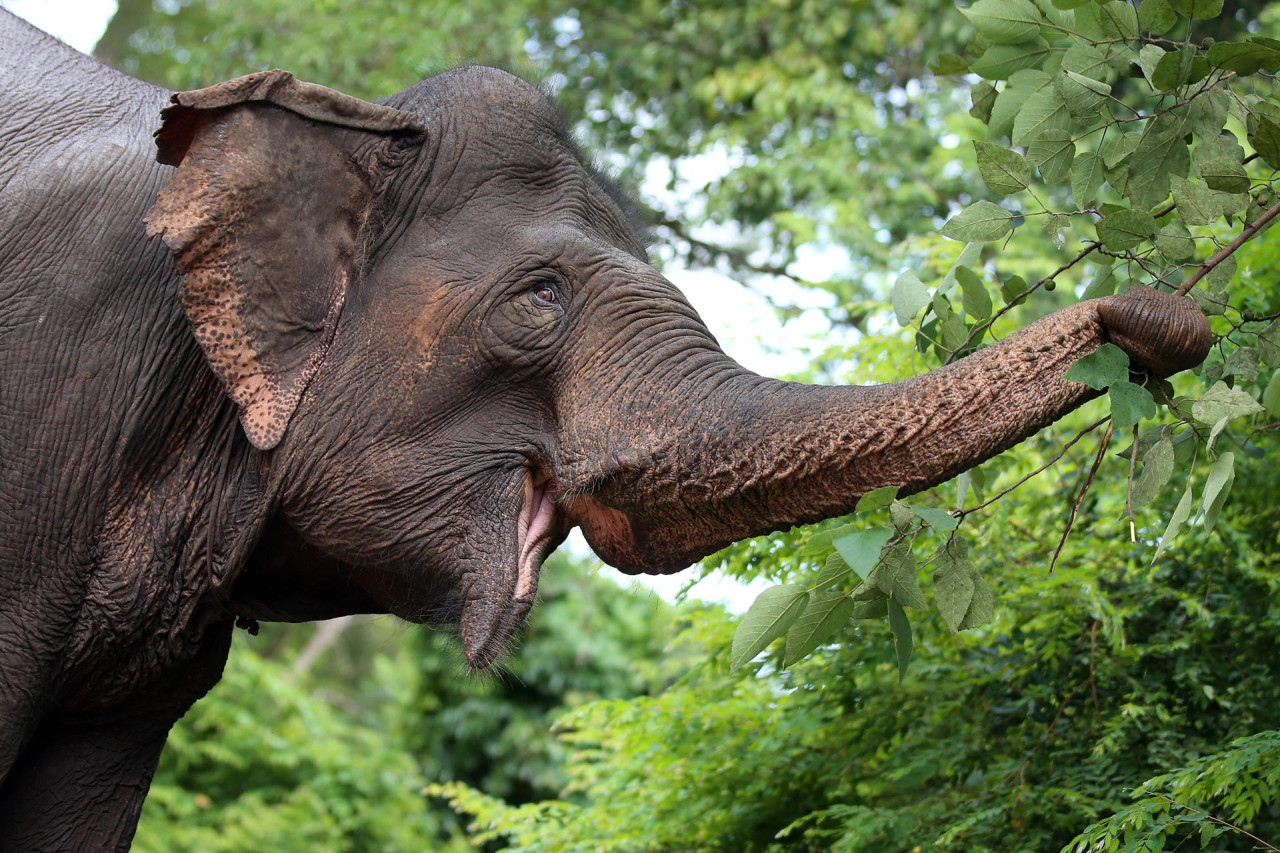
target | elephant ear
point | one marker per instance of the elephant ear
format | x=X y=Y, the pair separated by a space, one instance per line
x=266 y=216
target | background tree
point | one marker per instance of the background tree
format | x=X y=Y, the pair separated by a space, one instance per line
x=317 y=739
x=972 y=170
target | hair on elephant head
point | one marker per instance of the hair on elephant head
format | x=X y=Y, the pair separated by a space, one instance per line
x=444 y=328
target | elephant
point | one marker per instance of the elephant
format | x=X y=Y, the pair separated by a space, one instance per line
x=272 y=352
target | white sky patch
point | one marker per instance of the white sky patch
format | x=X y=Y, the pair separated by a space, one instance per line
x=742 y=320
x=79 y=24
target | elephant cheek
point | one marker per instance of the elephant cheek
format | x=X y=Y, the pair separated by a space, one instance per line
x=630 y=544
x=608 y=531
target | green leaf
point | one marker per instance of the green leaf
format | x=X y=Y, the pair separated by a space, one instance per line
x=1130 y=403
x=861 y=551
x=1156 y=16
x=1021 y=86
x=1244 y=58
x=909 y=296
x=1269 y=344
x=1104 y=366
x=1223 y=401
x=1108 y=20
x=773 y=612
x=954 y=585
x=833 y=570
x=1264 y=136
x=1043 y=111
x=1125 y=229
x=983 y=95
x=1271 y=396
x=1221 y=144
x=1002 y=170
x=1083 y=95
x=826 y=614
x=1193 y=201
x=1013 y=287
x=1216 y=488
x=901 y=628
x=1087 y=178
x=1242 y=364
x=1002 y=61
x=1212 y=303
x=1225 y=174
x=1086 y=59
x=1174 y=241
x=1119 y=146
x=1157 y=468
x=1202 y=9
x=1161 y=153
x=1103 y=284
x=1208 y=112
x=976 y=300
x=1052 y=152
x=948 y=63
x=980 y=222
x=1227 y=204
x=876 y=499
x=939 y=519
x=983 y=607
x=1173 y=69
x=1053 y=227
x=1005 y=21
x=1148 y=58
x=895 y=575
x=1179 y=518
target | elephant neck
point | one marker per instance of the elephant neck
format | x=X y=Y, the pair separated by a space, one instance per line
x=186 y=500
x=285 y=579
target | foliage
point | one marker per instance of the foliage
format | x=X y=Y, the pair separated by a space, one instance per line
x=1012 y=737
x=262 y=764
x=334 y=757
x=1239 y=780
x=1116 y=115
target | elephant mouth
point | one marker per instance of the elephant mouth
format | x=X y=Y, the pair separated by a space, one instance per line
x=493 y=614
x=538 y=525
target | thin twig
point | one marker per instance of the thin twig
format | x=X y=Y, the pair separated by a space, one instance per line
x=1162 y=795
x=1063 y=452
x=1128 y=492
x=1084 y=490
x=735 y=256
x=1093 y=670
x=981 y=327
x=1230 y=249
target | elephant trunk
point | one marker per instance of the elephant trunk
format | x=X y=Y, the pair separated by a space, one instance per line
x=749 y=455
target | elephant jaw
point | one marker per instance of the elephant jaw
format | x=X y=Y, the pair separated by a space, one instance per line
x=496 y=606
x=655 y=544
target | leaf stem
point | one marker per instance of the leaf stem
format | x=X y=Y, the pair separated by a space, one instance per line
x=1084 y=490
x=1063 y=452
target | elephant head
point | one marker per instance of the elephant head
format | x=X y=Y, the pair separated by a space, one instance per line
x=442 y=334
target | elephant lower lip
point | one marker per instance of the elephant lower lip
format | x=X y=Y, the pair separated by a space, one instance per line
x=537 y=526
x=495 y=608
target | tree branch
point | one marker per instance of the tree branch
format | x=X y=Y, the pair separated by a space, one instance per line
x=736 y=257
x=1230 y=249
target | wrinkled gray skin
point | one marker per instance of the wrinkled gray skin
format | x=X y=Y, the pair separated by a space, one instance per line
x=414 y=345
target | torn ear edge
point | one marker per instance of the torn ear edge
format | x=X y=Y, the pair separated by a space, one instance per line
x=183 y=119
x=265 y=215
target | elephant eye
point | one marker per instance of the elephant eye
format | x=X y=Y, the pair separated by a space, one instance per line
x=546 y=293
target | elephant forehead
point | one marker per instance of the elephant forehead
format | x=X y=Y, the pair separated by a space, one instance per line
x=499 y=150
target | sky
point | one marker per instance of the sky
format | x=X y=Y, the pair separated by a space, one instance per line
x=740 y=319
